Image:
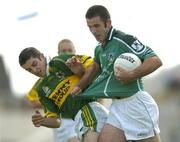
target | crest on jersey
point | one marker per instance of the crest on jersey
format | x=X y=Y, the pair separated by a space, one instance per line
x=46 y=90
x=111 y=57
x=137 y=46
x=60 y=74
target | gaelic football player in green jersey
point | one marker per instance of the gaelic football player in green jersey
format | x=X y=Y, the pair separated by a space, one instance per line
x=133 y=113
x=53 y=89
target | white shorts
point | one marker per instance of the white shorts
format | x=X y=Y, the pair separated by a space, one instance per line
x=137 y=116
x=91 y=117
x=65 y=131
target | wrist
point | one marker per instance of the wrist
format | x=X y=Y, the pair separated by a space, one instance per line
x=133 y=75
x=79 y=88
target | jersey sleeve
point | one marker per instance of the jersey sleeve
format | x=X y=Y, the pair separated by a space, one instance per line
x=85 y=60
x=57 y=64
x=50 y=109
x=142 y=51
x=50 y=114
x=96 y=55
x=135 y=46
x=33 y=94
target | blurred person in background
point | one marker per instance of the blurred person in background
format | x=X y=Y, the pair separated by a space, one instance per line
x=66 y=133
x=53 y=89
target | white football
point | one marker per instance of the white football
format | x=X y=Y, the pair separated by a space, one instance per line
x=127 y=61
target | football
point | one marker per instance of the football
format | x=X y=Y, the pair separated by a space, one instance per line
x=127 y=61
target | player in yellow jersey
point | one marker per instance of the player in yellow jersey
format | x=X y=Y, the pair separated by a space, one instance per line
x=53 y=90
x=65 y=133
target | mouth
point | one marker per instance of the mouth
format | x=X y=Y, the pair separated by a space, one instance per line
x=97 y=36
x=39 y=73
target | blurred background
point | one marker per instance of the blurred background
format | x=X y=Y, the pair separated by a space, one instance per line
x=43 y=23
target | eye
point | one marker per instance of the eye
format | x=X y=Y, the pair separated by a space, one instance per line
x=96 y=25
x=34 y=63
x=29 y=70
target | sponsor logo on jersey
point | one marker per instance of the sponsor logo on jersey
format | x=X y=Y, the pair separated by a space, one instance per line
x=61 y=93
x=137 y=46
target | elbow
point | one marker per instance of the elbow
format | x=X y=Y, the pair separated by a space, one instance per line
x=55 y=122
x=57 y=126
x=160 y=63
x=96 y=67
x=156 y=62
x=58 y=123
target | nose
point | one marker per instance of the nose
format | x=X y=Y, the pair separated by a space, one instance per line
x=34 y=70
x=93 y=30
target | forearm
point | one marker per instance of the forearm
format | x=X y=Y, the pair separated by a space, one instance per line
x=51 y=122
x=149 y=65
x=89 y=75
x=75 y=66
x=80 y=70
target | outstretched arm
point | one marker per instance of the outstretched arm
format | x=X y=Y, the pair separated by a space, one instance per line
x=87 y=78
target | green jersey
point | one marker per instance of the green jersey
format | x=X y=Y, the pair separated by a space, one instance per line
x=106 y=85
x=53 y=90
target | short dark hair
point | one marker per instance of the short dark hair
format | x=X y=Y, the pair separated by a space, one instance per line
x=98 y=10
x=27 y=53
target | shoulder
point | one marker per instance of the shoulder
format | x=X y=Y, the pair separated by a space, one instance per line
x=130 y=41
x=83 y=58
x=98 y=48
x=57 y=62
x=62 y=57
x=33 y=94
x=123 y=37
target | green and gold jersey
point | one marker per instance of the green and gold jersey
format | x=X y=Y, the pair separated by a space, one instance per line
x=32 y=94
x=106 y=85
x=53 y=90
x=57 y=64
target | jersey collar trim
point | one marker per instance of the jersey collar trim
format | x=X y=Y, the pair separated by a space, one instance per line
x=109 y=36
x=110 y=33
x=47 y=66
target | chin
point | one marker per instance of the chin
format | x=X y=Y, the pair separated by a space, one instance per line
x=99 y=40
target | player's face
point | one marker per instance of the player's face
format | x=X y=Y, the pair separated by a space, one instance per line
x=66 y=47
x=36 y=66
x=99 y=28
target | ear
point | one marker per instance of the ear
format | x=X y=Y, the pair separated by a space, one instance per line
x=41 y=56
x=108 y=23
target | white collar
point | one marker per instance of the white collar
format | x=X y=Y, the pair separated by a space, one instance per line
x=48 y=59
